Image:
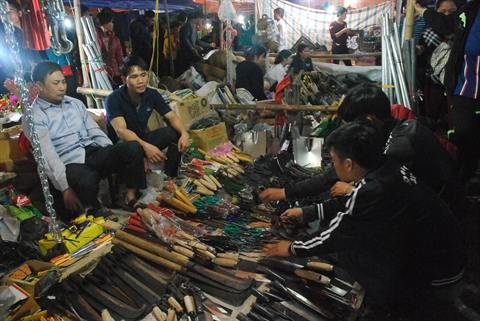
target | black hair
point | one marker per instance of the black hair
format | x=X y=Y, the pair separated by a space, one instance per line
x=130 y=62
x=360 y=142
x=83 y=9
x=341 y=10
x=282 y=55
x=149 y=14
x=14 y=4
x=104 y=17
x=279 y=11
x=363 y=100
x=255 y=51
x=439 y=2
x=182 y=17
x=44 y=69
x=301 y=47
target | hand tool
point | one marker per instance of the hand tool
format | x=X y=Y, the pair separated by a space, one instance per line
x=270 y=313
x=296 y=311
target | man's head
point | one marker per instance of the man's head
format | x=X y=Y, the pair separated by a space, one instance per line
x=182 y=18
x=355 y=148
x=256 y=54
x=105 y=17
x=50 y=80
x=303 y=51
x=134 y=74
x=14 y=12
x=278 y=14
x=150 y=17
x=342 y=13
x=366 y=102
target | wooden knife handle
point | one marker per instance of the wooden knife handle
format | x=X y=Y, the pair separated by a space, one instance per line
x=159 y=314
x=183 y=251
x=312 y=276
x=147 y=255
x=319 y=266
x=226 y=262
x=229 y=255
x=153 y=247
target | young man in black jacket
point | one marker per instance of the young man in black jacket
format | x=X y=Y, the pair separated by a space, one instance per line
x=407 y=141
x=394 y=235
x=461 y=78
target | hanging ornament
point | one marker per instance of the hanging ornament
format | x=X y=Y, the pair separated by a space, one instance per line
x=34 y=26
x=56 y=19
x=37 y=153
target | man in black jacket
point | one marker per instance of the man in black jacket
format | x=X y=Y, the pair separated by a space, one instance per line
x=394 y=235
x=409 y=142
x=461 y=78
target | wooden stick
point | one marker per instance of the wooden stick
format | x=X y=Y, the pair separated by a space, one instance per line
x=276 y=107
x=147 y=255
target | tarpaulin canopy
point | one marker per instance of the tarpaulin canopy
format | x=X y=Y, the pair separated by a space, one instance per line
x=137 y=4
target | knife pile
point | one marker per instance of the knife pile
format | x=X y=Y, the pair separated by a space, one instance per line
x=129 y=288
x=323 y=290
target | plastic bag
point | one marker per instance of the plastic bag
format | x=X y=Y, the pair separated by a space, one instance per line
x=192 y=79
x=226 y=11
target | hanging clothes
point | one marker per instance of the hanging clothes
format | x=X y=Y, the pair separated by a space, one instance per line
x=34 y=25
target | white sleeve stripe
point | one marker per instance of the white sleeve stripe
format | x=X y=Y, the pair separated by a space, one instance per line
x=333 y=225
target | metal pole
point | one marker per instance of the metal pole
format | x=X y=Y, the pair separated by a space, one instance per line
x=83 y=59
x=172 y=67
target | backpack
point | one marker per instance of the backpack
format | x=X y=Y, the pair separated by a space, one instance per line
x=439 y=60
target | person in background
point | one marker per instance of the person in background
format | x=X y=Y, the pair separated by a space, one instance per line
x=190 y=46
x=141 y=36
x=394 y=235
x=110 y=46
x=435 y=101
x=250 y=74
x=77 y=152
x=279 y=69
x=461 y=79
x=339 y=34
x=174 y=39
x=280 y=25
x=302 y=61
x=128 y=110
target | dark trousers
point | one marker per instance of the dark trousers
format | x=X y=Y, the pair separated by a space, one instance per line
x=341 y=51
x=124 y=158
x=466 y=124
x=163 y=138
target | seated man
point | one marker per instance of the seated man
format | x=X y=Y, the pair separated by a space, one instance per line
x=77 y=152
x=407 y=141
x=394 y=235
x=128 y=110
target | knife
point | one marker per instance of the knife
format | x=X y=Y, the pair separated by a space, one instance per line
x=289 y=266
x=296 y=311
x=321 y=279
x=302 y=299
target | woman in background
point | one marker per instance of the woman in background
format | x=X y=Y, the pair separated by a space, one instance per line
x=279 y=69
x=250 y=74
x=339 y=34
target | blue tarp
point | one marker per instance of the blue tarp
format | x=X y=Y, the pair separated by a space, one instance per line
x=137 y=4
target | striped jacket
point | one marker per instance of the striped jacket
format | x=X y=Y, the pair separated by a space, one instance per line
x=392 y=228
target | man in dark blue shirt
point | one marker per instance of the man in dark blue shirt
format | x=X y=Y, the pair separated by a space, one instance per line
x=128 y=110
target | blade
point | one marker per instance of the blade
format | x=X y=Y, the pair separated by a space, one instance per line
x=280 y=264
x=296 y=311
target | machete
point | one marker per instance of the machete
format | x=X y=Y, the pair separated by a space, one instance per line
x=296 y=311
x=302 y=299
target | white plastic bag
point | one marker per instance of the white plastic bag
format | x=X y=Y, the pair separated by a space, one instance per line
x=226 y=11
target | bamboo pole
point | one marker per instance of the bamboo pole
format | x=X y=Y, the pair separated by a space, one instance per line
x=338 y=56
x=94 y=92
x=83 y=58
x=409 y=20
x=277 y=107
x=167 y=14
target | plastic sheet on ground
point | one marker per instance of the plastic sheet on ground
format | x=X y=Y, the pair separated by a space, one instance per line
x=374 y=73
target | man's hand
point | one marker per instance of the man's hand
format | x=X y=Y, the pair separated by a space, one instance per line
x=277 y=249
x=183 y=143
x=292 y=215
x=213 y=45
x=272 y=194
x=71 y=200
x=154 y=155
x=340 y=189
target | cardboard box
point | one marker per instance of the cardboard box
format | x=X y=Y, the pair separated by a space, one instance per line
x=211 y=137
x=29 y=286
x=191 y=110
